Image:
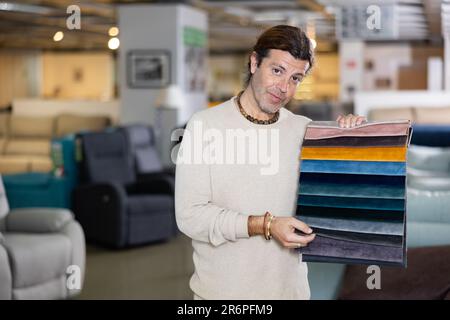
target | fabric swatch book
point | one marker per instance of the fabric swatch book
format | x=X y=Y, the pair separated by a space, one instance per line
x=352 y=192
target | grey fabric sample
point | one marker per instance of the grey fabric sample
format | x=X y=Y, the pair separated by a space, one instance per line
x=364 y=238
x=322 y=246
x=323 y=259
x=352 y=225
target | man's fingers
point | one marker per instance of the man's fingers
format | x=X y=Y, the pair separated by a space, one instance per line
x=348 y=120
x=360 y=120
x=341 y=121
x=303 y=240
x=293 y=245
x=345 y=121
x=300 y=225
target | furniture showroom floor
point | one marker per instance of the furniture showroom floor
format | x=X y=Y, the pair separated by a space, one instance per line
x=156 y=271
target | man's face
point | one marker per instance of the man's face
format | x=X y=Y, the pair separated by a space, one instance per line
x=276 y=79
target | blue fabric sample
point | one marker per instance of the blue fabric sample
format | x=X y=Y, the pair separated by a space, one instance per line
x=354 y=167
x=356 y=203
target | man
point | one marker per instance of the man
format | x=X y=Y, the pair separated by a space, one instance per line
x=232 y=205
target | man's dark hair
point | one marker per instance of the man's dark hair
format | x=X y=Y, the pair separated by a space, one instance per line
x=286 y=38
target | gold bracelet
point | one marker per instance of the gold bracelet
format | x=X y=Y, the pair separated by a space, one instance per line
x=268 y=226
x=267 y=216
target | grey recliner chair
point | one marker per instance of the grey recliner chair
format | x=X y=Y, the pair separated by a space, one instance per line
x=42 y=253
x=147 y=163
x=142 y=141
x=115 y=208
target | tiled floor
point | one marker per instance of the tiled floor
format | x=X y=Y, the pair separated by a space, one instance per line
x=156 y=271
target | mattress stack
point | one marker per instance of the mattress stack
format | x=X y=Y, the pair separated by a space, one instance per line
x=352 y=192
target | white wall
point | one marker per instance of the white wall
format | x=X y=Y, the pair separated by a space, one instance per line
x=387 y=60
x=188 y=16
x=159 y=27
x=351 y=67
x=435 y=78
x=365 y=101
x=142 y=27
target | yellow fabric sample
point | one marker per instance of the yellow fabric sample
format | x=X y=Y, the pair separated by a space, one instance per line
x=358 y=154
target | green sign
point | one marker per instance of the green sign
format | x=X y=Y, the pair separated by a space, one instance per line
x=194 y=37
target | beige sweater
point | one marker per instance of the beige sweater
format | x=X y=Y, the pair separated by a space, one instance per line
x=214 y=196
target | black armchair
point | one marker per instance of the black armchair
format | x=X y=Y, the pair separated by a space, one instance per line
x=114 y=208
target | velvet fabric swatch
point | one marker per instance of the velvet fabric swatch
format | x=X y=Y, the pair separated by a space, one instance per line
x=354 y=167
x=351 y=261
x=331 y=129
x=314 y=177
x=359 y=186
x=361 y=237
x=372 y=215
x=355 y=203
x=358 y=154
x=375 y=254
x=351 y=225
x=352 y=192
x=387 y=141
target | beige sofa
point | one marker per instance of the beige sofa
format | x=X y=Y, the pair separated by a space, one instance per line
x=25 y=142
x=418 y=115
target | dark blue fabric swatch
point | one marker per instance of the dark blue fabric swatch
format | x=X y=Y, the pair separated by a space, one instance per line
x=349 y=202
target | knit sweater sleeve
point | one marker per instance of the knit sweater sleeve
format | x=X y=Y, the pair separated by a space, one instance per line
x=197 y=215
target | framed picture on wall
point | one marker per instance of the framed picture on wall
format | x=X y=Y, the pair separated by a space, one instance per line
x=148 y=68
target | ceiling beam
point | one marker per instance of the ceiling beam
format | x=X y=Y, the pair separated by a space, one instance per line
x=313 y=5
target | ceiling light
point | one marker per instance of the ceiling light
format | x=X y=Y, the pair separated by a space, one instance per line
x=58 y=36
x=113 y=43
x=113 y=31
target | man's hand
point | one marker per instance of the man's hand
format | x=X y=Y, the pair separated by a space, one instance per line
x=283 y=230
x=350 y=120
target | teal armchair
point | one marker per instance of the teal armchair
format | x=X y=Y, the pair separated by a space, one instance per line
x=50 y=189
